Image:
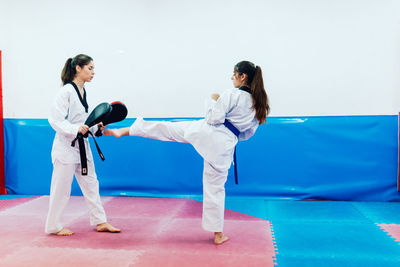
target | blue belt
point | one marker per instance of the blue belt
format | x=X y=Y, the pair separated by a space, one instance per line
x=236 y=132
x=230 y=126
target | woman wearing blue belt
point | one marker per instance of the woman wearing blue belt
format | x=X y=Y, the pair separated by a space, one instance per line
x=230 y=117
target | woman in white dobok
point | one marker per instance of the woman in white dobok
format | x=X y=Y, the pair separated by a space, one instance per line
x=234 y=115
x=69 y=112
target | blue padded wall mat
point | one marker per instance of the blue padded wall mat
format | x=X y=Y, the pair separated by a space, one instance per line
x=335 y=158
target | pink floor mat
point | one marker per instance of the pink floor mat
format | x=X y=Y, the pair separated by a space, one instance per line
x=155 y=232
x=392 y=229
x=8 y=203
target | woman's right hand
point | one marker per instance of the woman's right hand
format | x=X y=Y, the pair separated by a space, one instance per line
x=83 y=129
x=215 y=96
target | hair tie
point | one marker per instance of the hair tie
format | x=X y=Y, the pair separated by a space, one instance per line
x=73 y=63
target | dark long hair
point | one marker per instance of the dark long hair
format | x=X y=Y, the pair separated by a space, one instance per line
x=69 y=71
x=256 y=84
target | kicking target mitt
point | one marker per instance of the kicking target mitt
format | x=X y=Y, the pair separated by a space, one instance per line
x=98 y=114
x=95 y=117
x=117 y=113
x=105 y=113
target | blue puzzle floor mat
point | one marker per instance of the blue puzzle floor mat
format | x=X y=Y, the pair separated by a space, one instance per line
x=329 y=233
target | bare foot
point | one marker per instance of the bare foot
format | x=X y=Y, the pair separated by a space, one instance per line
x=220 y=238
x=106 y=227
x=64 y=232
x=116 y=132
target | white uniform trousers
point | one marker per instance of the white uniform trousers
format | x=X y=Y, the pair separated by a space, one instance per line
x=213 y=178
x=60 y=192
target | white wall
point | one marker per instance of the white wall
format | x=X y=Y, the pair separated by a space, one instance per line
x=162 y=58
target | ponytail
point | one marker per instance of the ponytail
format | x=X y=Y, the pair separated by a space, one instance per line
x=69 y=71
x=256 y=84
x=260 y=98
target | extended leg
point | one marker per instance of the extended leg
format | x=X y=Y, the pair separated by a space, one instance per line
x=160 y=130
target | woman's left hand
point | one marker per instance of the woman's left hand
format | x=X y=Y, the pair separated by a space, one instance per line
x=101 y=126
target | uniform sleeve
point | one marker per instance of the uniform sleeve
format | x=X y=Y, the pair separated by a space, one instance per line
x=248 y=133
x=59 y=113
x=94 y=128
x=216 y=110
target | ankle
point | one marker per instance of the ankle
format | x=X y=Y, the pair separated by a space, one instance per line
x=218 y=234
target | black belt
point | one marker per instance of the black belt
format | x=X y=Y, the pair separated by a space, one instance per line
x=82 y=150
x=236 y=132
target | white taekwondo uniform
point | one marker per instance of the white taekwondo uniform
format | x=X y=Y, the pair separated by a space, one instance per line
x=67 y=115
x=213 y=141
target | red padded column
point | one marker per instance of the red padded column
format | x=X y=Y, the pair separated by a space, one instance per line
x=398 y=153
x=3 y=190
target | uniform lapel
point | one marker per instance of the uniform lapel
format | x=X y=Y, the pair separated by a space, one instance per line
x=83 y=100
